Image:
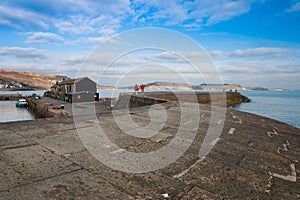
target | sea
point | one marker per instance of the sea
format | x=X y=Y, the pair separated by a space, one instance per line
x=283 y=106
x=9 y=112
x=280 y=105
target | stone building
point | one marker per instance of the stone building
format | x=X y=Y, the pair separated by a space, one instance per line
x=75 y=90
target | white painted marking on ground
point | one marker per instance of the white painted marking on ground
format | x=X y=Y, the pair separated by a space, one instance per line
x=285 y=146
x=271 y=133
x=188 y=122
x=231 y=131
x=202 y=115
x=291 y=178
x=166 y=195
x=239 y=119
x=186 y=170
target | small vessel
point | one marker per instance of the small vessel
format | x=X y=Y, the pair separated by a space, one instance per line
x=22 y=103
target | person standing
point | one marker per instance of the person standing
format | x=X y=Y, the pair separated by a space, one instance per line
x=142 y=89
x=136 y=89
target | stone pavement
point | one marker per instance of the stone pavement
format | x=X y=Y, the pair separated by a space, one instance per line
x=254 y=158
x=100 y=106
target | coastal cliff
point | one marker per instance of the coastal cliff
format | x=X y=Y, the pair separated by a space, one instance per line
x=17 y=80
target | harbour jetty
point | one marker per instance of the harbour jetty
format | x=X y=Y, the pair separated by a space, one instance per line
x=226 y=99
x=253 y=158
x=9 y=97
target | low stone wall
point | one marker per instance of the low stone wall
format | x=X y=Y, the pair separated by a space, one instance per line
x=127 y=100
x=235 y=98
x=44 y=109
x=214 y=98
x=39 y=108
x=8 y=97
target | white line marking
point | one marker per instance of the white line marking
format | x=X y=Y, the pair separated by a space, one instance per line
x=231 y=131
x=188 y=122
x=270 y=134
x=240 y=121
x=285 y=146
x=186 y=170
x=166 y=195
x=292 y=178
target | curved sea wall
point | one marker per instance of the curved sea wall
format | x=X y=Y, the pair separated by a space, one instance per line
x=227 y=99
x=128 y=100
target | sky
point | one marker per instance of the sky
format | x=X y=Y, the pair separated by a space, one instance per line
x=122 y=42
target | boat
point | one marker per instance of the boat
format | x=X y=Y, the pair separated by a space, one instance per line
x=22 y=103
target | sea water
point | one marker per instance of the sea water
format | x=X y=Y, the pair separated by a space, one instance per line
x=283 y=106
x=9 y=112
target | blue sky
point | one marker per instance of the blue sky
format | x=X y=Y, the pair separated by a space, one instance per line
x=252 y=42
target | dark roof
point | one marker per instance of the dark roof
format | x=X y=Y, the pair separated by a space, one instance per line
x=71 y=81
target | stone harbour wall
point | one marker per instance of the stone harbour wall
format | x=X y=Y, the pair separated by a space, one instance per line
x=8 y=97
x=227 y=99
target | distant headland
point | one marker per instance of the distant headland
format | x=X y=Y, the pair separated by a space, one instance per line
x=11 y=80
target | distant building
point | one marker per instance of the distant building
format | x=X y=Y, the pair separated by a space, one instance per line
x=18 y=84
x=11 y=85
x=75 y=90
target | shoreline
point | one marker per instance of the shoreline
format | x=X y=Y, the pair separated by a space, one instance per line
x=246 y=108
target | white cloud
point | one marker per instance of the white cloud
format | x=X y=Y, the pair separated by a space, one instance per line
x=19 y=18
x=240 y=70
x=104 y=18
x=97 y=39
x=70 y=7
x=294 y=8
x=216 y=53
x=179 y=57
x=103 y=25
x=260 y=51
x=42 y=37
x=72 y=60
x=216 y=12
x=165 y=57
x=74 y=25
x=24 y=53
x=86 y=17
x=190 y=14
